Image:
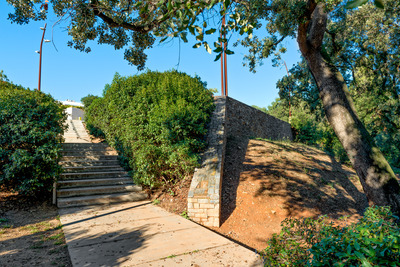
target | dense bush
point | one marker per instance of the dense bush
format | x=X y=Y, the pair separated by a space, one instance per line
x=31 y=128
x=373 y=241
x=87 y=100
x=156 y=120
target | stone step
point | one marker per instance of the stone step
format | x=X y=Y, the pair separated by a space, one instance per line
x=93 y=182
x=88 y=153
x=77 y=163
x=78 y=169
x=88 y=150
x=97 y=190
x=83 y=141
x=84 y=145
x=100 y=199
x=92 y=175
x=88 y=158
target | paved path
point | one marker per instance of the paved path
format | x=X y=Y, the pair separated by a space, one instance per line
x=141 y=234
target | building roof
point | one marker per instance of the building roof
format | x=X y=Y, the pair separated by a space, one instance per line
x=71 y=103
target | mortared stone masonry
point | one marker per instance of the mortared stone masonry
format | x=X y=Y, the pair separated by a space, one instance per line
x=230 y=118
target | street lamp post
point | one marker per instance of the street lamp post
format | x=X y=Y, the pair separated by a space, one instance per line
x=40 y=54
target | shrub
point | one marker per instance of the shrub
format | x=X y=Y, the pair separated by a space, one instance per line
x=157 y=121
x=372 y=241
x=87 y=100
x=31 y=128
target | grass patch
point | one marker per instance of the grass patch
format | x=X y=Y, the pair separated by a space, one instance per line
x=56 y=236
x=59 y=242
x=37 y=245
x=171 y=256
x=32 y=228
x=185 y=215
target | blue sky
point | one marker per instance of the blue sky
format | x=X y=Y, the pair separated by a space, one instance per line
x=70 y=74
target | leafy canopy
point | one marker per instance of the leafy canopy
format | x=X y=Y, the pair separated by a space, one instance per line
x=134 y=25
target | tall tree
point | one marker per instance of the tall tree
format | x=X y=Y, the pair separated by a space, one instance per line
x=110 y=21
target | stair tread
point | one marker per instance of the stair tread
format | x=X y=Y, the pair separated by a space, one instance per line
x=102 y=167
x=107 y=166
x=96 y=187
x=103 y=199
x=92 y=173
x=88 y=173
x=97 y=180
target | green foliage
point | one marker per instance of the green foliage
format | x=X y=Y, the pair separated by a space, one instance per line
x=157 y=122
x=87 y=100
x=31 y=128
x=309 y=126
x=133 y=25
x=372 y=241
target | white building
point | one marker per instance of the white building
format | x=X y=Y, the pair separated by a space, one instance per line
x=75 y=112
x=71 y=103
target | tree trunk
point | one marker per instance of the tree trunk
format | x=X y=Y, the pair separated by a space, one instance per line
x=376 y=176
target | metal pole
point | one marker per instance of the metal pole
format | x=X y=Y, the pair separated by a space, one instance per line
x=225 y=68
x=222 y=67
x=40 y=57
x=224 y=75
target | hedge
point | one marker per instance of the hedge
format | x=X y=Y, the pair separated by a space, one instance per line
x=157 y=121
x=31 y=128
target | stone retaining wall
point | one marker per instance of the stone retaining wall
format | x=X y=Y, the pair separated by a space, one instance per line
x=230 y=118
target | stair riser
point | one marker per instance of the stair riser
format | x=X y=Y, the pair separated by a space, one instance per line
x=131 y=197
x=98 y=157
x=84 y=145
x=98 y=191
x=85 y=183
x=92 y=169
x=88 y=177
x=66 y=164
x=88 y=153
x=86 y=149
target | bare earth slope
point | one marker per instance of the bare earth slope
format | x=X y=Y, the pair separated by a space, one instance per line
x=266 y=182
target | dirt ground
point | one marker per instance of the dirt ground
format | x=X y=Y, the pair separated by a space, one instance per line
x=264 y=183
x=30 y=233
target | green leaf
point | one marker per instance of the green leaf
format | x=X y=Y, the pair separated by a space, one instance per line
x=210 y=31
x=226 y=4
x=163 y=39
x=218 y=57
x=191 y=30
x=218 y=50
x=229 y=52
x=200 y=37
x=208 y=48
x=183 y=36
x=197 y=45
x=379 y=4
x=355 y=3
x=169 y=6
x=199 y=30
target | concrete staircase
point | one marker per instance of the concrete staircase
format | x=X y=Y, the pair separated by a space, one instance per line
x=92 y=174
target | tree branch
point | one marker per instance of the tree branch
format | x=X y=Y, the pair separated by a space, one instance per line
x=317 y=27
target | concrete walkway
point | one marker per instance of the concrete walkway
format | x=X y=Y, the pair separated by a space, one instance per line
x=141 y=234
